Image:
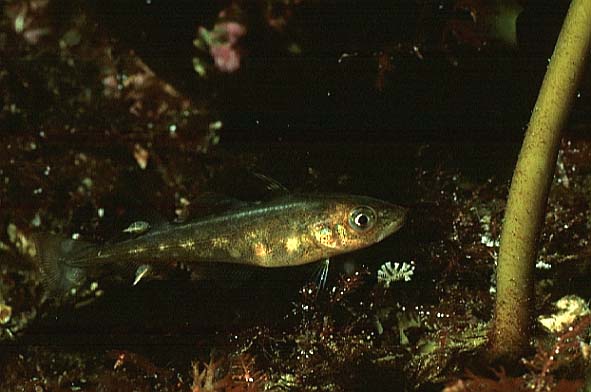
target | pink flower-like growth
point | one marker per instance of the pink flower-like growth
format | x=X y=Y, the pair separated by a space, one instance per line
x=225 y=57
x=225 y=50
x=233 y=30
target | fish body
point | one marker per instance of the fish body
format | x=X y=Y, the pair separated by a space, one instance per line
x=289 y=231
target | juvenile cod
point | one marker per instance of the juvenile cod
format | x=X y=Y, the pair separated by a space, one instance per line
x=289 y=231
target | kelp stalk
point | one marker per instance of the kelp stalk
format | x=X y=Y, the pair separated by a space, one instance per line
x=531 y=182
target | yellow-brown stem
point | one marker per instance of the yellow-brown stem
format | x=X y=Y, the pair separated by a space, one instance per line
x=531 y=182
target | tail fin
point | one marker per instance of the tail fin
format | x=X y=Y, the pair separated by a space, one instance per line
x=54 y=256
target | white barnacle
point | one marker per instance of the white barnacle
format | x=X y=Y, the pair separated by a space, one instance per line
x=568 y=310
x=542 y=265
x=393 y=272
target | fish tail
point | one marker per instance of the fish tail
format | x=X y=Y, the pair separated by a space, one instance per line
x=61 y=261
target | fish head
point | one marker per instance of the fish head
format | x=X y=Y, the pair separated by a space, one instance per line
x=348 y=223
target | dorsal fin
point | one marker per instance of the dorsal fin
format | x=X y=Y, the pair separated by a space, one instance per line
x=271 y=184
x=232 y=189
x=211 y=203
x=246 y=185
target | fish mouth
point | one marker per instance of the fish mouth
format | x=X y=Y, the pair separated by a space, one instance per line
x=398 y=218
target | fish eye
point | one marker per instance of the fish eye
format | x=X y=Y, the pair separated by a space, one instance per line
x=362 y=218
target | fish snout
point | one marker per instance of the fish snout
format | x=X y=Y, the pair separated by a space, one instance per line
x=393 y=219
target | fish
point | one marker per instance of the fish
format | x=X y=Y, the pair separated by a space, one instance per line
x=288 y=231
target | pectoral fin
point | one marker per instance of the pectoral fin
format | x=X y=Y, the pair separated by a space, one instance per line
x=320 y=276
